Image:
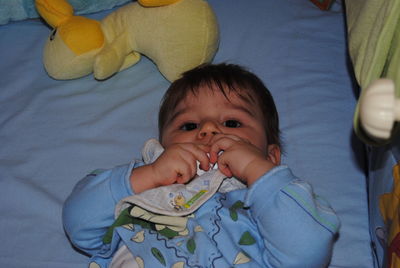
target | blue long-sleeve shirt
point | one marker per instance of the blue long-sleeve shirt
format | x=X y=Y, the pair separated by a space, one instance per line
x=277 y=222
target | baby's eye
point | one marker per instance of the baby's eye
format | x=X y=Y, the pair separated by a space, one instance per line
x=188 y=126
x=232 y=123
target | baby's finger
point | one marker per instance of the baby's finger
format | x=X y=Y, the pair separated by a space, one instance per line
x=224 y=167
x=199 y=153
x=203 y=147
x=182 y=178
x=185 y=172
x=229 y=137
x=220 y=144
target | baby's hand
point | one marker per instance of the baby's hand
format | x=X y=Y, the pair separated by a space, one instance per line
x=177 y=164
x=240 y=158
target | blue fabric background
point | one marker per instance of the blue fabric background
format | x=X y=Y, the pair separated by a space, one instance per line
x=14 y=10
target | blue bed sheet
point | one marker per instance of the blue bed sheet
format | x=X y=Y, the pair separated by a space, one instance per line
x=52 y=133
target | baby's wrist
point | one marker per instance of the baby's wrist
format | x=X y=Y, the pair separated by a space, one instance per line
x=256 y=169
x=142 y=179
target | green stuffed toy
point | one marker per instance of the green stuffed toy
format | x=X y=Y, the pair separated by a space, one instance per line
x=177 y=35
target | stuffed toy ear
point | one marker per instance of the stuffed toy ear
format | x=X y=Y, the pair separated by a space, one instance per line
x=156 y=3
x=54 y=12
x=71 y=49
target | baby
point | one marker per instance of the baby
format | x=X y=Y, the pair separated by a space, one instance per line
x=214 y=114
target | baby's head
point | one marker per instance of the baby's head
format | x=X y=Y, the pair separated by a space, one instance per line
x=234 y=91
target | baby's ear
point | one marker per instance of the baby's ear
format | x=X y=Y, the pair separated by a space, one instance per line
x=274 y=154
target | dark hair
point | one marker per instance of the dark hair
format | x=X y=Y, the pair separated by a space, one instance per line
x=231 y=77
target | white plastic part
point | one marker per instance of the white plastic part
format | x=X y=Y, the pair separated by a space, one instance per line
x=379 y=108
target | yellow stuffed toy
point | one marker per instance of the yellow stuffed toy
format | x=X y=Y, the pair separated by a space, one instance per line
x=176 y=35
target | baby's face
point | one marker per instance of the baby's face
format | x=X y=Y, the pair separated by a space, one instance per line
x=196 y=119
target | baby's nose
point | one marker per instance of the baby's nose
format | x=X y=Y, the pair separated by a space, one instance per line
x=208 y=129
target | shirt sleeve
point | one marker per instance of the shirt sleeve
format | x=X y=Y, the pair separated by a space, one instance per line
x=89 y=210
x=297 y=226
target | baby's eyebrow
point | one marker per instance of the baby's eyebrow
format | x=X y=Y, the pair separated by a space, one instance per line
x=243 y=109
x=177 y=113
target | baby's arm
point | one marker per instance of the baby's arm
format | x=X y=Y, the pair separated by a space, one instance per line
x=297 y=226
x=89 y=210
